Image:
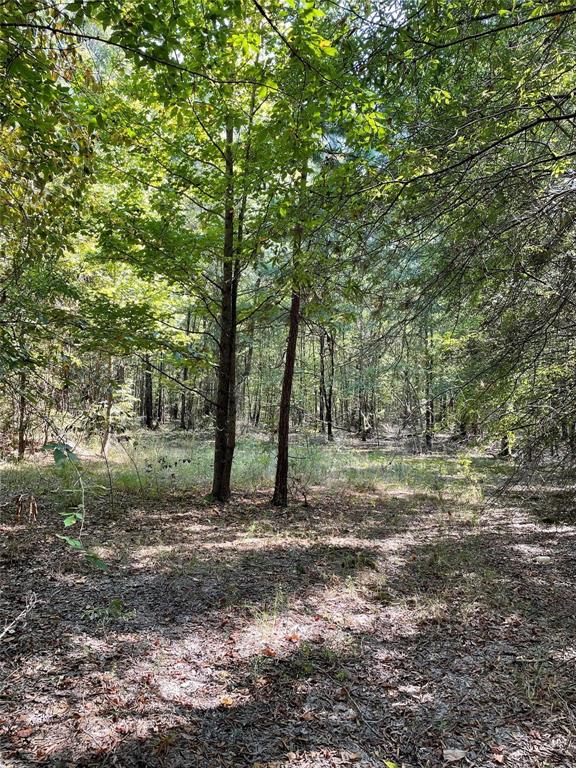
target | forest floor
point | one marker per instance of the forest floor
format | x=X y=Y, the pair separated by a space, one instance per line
x=385 y=624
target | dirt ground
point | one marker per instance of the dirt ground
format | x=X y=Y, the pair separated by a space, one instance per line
x=368 y=629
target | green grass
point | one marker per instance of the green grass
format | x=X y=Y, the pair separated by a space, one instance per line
x=156 y=464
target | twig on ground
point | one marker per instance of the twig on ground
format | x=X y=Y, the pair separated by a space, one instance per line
x=31 y=601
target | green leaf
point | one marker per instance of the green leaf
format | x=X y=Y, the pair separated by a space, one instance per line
x=60 y=456
x=74 y=543
x=96 y=561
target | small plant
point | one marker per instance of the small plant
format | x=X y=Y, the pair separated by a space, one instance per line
x=473 y=491
x=303 y=665
x=438 y=486
x=270 y=612
x=379 y=590
x=355 y=561
x=113 y=611
x=260 y=528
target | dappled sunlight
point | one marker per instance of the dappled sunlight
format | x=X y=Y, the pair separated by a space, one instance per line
x=363 y=626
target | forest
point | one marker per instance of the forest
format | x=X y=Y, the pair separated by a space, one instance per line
x=288 y=383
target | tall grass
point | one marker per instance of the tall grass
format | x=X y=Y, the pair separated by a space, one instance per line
x=156 y=464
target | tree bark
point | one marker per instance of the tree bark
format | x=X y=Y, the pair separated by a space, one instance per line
x=329 y=389
x=280 y=497
x=322 y=388
x=148 y=397
x=22 y=416
x=184 y=395
x=225 y=436
x=429 y=407
x=107 y=410
x=160 y=404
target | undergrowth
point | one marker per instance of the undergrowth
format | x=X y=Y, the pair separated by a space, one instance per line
x=155 y=465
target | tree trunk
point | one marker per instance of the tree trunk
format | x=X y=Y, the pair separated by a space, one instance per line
x=280 y=498
x=328 y=404
x=184 y=400
x=160 y=404
x=326 y=383
x=429 y=423
x=225 y=437
x=184 y=395
x=322 y=393
x=22 y=416
x=107 y=410
x=505 y=450
x=429 y=407
x=148 y=396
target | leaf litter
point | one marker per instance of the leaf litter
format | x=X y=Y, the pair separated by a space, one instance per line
x=359 y=631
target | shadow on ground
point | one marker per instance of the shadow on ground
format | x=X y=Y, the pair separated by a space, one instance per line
x=365 y=629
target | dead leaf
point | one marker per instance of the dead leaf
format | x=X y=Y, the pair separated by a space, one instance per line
x=293 y=638
x=453 y=755
x=497 y=753
x=226 y=701
x=269 y=651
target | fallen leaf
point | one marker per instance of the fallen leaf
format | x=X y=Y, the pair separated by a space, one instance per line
x=453 y=755
x=293 y=638
x=226 y=701
x=269 y=651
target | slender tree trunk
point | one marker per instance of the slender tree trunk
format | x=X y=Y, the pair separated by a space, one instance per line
x=429 y=408
x=160 y=403
x=225 y=437
x=280 y=497
x=322 y=393
x=184 y=395
x=107 y=410
x=184 y=400
x=22 y=416
x=148 y=396
x=330 y=389
x=505 y=450
x=429 y=423
x=327 y=383
x=65 y=389
x=247 y=368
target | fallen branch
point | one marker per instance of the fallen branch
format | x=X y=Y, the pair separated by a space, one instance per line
x=31 y=601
